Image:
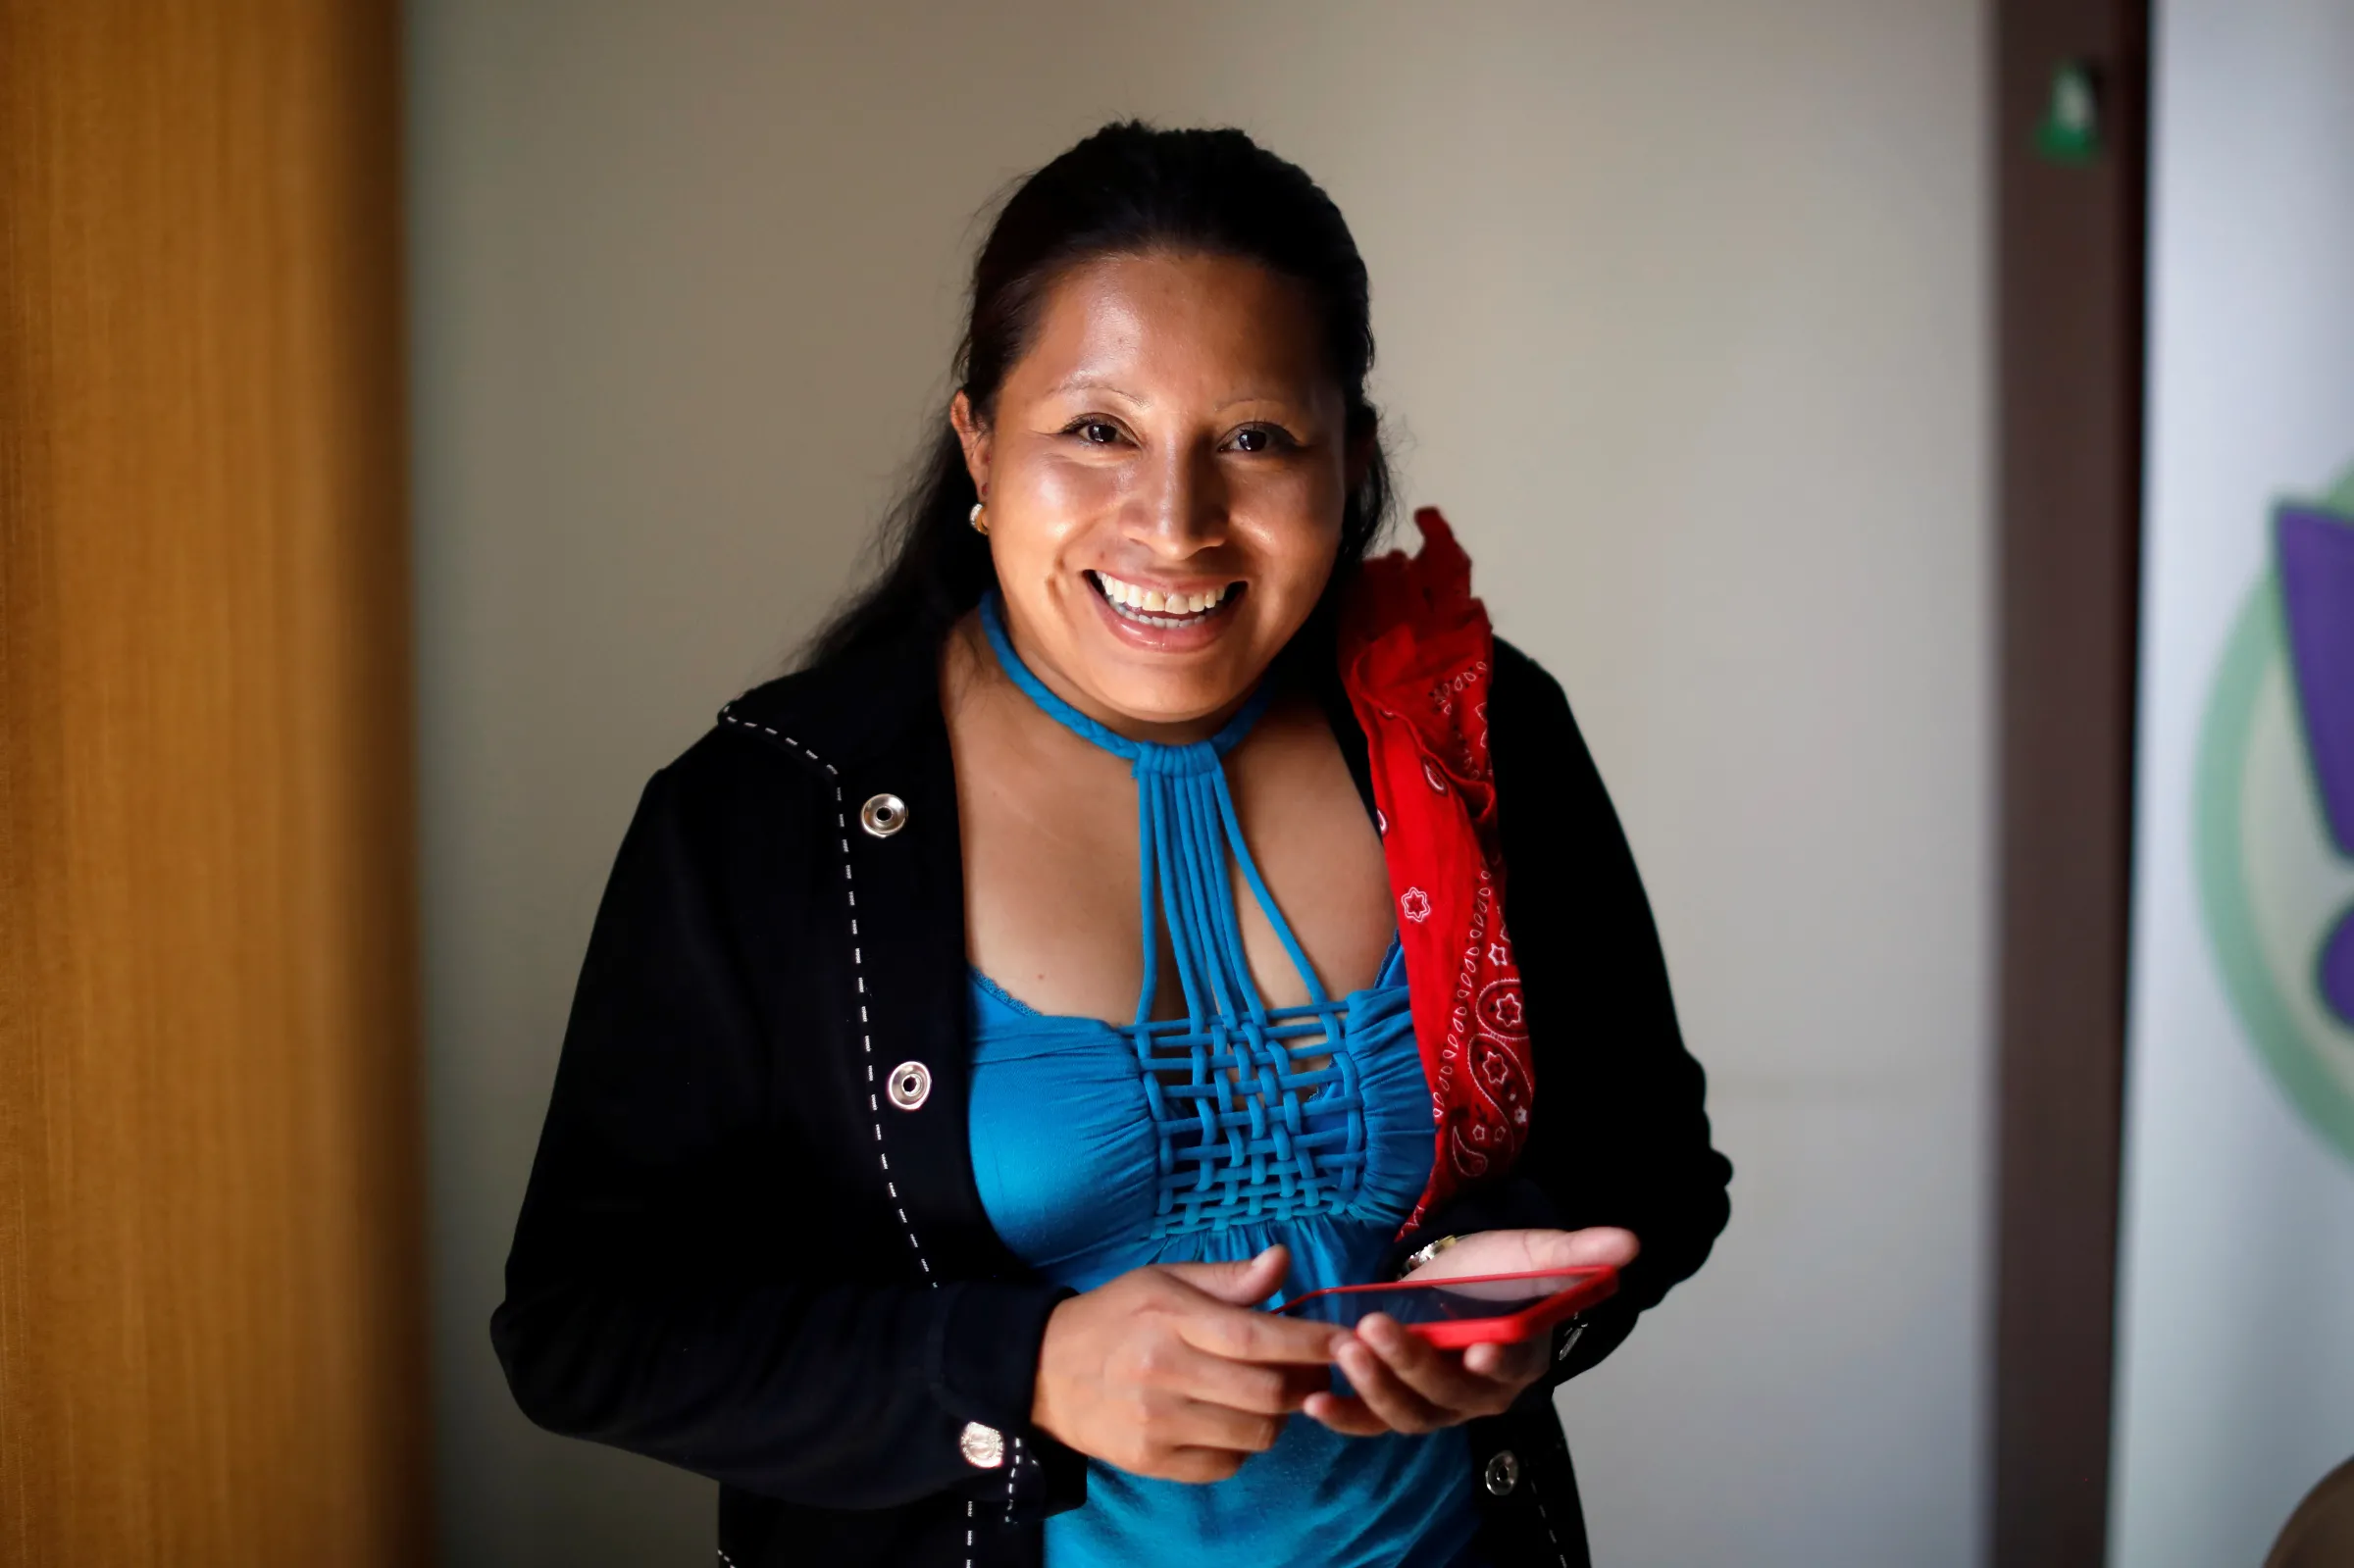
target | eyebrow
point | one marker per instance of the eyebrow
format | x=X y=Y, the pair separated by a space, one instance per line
x=1082 y=382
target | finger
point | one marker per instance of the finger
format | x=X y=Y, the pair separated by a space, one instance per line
x=1197 y=1424
x=1246 y=1283
x=1437 y=1375
x=1199 y=1466
x=1239 y=1335
x=1530 y=1251
x=1247 y=1386
x=1349 y=1416
x=1399 y=1407
x=1584 y=1249
x=1514 y=1366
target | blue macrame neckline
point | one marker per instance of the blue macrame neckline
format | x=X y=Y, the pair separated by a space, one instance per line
x=1148 y=755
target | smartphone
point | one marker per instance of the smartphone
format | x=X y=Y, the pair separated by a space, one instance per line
x=1476 y=1309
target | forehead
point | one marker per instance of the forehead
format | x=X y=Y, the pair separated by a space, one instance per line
x=1181 y=326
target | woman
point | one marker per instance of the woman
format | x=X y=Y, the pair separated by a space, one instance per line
x=1103 y=939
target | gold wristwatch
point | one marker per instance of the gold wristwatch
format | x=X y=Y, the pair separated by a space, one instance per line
x=1425 y=1253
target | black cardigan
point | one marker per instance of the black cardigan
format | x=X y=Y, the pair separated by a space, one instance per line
x=740 y=1256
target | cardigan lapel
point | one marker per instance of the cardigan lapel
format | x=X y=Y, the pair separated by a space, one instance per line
x=873 y=723
x=911 y=957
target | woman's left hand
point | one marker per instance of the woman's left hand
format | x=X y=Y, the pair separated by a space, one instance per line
x=1404 y=1383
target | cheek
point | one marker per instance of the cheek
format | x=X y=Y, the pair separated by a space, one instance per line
x=1039 y=513
x=1294 y=521
x=1057 y=497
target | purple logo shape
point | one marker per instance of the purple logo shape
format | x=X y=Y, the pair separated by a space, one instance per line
x=2317 y=594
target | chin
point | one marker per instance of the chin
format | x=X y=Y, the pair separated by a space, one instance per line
x=1170 y=699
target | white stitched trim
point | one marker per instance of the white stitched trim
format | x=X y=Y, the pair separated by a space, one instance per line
x=1012 y=1470
x=866 y=1040
x=968 y=1532
x=727 y=715
x=1538 y=1497
x=731 y=1562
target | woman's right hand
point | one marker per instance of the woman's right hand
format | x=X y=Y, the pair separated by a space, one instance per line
x=1173 y=1371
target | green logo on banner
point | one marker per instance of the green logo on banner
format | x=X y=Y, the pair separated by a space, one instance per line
x=2070 y=132
x=2274 y=813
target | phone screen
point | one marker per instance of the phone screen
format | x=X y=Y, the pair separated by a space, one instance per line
x=1441 y=1301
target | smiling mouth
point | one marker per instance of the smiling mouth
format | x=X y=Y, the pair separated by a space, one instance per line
x=1163 y=611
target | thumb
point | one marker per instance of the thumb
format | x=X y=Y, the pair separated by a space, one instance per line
x=1570 y=1249
x=1243 y=1283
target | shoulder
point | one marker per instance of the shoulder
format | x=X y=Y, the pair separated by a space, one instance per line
x=1520 y=673
x=838 y=713
x=770 y=769
x=1537 y=749
x=1523 y=696
x=818 y=724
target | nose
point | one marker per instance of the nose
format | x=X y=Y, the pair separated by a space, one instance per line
x=1178 y=508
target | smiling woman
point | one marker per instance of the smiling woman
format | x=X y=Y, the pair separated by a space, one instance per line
x=1162 y=479
x=925 y=1182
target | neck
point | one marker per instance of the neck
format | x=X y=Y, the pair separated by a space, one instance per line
x=1127 y=725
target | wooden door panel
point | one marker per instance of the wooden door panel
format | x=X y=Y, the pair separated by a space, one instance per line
x=211 y=1302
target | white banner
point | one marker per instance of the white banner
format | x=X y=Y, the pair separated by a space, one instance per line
x=2235 y=1364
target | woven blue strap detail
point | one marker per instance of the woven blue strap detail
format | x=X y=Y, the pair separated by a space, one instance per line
x=1243 y=1135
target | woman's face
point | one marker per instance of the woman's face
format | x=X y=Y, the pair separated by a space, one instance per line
x=1164 y=475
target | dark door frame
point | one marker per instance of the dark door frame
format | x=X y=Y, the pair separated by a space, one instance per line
x=2070 y=262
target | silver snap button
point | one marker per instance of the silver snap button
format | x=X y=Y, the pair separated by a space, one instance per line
x=883 y=815
x=1503 y=1473
x=910 y=1085
x=983 y=1447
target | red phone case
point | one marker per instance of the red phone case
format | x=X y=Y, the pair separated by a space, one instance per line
x=1600 y=1285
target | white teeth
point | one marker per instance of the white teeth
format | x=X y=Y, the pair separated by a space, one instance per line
x=1154 y=602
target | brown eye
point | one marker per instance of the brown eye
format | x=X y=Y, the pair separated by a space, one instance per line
x=1251 y=440
x=1096 y=433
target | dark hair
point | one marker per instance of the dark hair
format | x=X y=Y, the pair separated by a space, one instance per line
x=1127 y=190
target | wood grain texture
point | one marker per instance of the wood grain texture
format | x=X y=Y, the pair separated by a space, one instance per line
x=211 y=1299
x=2071 y=249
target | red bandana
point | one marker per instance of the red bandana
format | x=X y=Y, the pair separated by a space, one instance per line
x=1417 y=654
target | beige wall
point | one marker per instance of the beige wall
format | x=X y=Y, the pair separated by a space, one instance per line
x=1682 y=310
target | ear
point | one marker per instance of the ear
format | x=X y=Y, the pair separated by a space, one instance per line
x=973 y=436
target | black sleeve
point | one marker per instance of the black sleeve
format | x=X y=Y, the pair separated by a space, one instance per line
x=1619 y=1130
x=670 y=1291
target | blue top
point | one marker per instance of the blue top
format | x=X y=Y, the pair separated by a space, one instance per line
x=1101 y=1148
